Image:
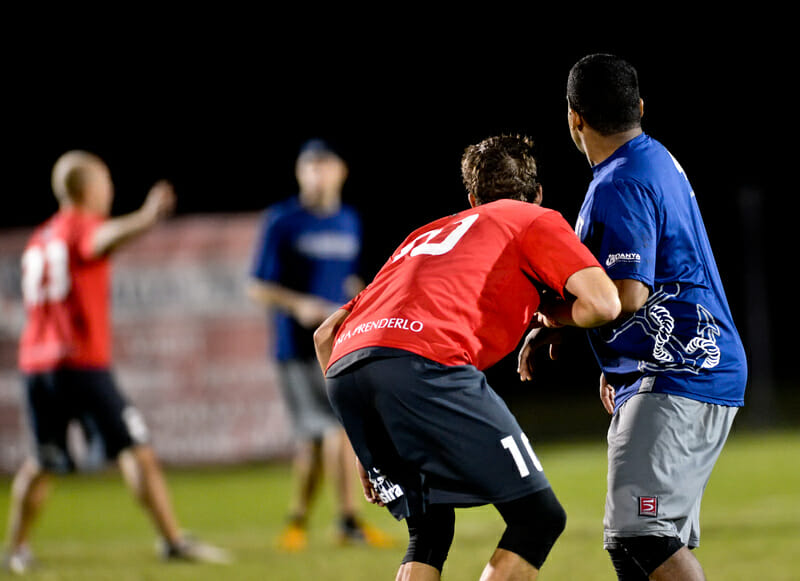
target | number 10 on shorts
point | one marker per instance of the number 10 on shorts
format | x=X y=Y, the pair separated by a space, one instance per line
x=510 y=444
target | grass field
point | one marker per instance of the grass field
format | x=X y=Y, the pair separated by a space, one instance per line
x=93 y=531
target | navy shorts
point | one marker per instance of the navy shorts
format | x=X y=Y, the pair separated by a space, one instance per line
x=57 y=398
x=430 y=433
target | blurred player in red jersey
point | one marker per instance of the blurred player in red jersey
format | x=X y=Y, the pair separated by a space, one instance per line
x=404 y=362
x=65 y=353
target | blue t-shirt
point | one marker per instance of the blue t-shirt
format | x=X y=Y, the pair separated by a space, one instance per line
x=641 y=220
x=308 y=253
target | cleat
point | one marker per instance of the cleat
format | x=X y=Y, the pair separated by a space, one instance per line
x=20 y=561
x=365 y=534
x=192 y=550
x=293 y=539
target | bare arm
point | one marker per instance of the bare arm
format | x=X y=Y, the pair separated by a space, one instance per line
x=596 y=301
x=325 y=335
x=633 y=294
x=308 y=310
x=159 y=203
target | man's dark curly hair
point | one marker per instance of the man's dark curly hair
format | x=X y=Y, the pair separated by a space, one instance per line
x=501 y=167
x=604 y=90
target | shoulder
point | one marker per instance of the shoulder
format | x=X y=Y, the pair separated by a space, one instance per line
x=283 y=211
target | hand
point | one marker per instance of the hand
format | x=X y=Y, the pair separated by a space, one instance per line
x=607 y=394
x=366 y=484
x=310 y=312
x=160 y=201
x=538 y=337
x=544 y=319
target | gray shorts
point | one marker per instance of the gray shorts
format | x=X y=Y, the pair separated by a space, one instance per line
x=306 y=397
x=661 y=450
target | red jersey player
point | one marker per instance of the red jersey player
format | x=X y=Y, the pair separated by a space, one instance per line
x=65 y=351
x=403 y=362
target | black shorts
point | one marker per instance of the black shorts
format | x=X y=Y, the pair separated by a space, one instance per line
x=430 y=433
x=57 y=398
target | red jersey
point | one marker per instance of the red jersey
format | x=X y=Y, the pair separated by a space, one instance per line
x=463 y=289
x=66 y=296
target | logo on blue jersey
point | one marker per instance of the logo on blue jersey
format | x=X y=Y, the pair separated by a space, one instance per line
x=670 y=352
x=613 y=259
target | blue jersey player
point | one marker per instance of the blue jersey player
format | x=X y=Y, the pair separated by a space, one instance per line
x=674 y=368
x=305 y=266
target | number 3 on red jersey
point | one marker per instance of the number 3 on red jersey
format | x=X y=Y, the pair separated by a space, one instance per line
x=45 y=273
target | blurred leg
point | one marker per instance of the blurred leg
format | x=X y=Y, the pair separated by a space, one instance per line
x=143 y=474
x=28 y=494
x=340 y=467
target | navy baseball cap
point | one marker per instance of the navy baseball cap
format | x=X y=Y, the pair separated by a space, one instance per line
x=316 y=148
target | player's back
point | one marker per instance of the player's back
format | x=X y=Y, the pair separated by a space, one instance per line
x=463 y=289
x=65 y=290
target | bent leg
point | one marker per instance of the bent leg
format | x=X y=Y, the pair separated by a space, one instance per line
x=507 y=566
x=654 y=557
x=429 y=538
x=681 y=566
x=533 y=524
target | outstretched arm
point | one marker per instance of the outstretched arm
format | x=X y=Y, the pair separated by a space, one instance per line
x=325 y=335
x=159 y=204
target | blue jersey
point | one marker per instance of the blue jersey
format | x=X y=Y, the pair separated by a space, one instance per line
x=641 y=220
x=308 y=253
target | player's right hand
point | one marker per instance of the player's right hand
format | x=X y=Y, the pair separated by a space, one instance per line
x=366 y=484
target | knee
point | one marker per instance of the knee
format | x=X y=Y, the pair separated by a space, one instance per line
x=534 y=523
x=641 y=555
x=430 y=536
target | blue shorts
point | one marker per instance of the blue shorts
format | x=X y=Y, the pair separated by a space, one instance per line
x=57 y=398
x=430 y=433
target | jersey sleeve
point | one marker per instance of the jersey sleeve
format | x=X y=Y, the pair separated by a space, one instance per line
x=266 y=264
x=554 y=252
x=85 y=230
x=627 y=218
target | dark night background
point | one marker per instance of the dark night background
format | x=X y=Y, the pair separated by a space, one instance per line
x=220 y=108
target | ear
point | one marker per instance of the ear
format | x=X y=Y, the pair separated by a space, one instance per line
x=575 y=120
x=641 y=108
x=537 y=199
x=473 y=201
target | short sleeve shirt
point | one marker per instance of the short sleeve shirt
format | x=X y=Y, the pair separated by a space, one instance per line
x=463 y=289
x=66 y=294
x=309 y=253
x=641 y=219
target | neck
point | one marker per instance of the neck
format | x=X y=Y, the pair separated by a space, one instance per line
x=320 y=204
x=599 y=148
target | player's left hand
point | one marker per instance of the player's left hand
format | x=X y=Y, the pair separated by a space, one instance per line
x=538 y=337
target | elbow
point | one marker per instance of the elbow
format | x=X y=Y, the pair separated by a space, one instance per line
x=322 y=335
x=609 y=310
x=602 y=310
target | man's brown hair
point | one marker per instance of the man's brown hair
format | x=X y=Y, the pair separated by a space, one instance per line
x=501 y=167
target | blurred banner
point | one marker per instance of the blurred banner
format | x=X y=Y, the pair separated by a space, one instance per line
x=191 y=351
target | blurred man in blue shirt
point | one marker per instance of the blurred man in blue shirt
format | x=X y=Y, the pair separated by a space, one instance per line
x=305 y=267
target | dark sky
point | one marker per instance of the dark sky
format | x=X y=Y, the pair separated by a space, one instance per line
x=221 y=112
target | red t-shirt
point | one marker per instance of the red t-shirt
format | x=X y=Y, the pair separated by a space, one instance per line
x=66 y=296
x=461 y=289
